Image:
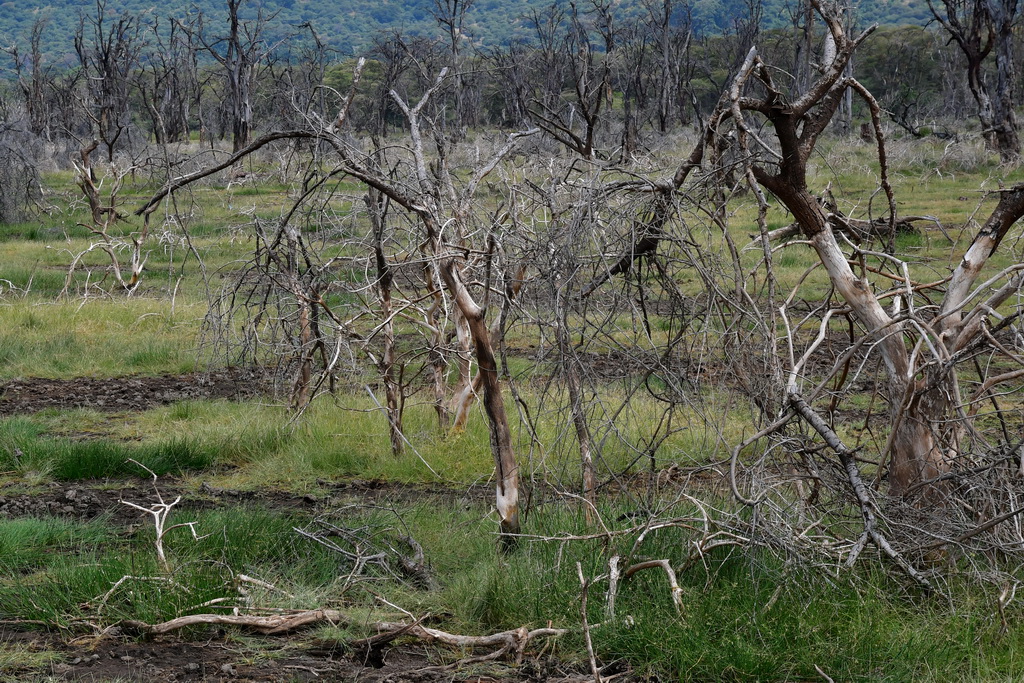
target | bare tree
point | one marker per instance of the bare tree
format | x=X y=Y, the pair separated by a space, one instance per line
x=978 y=27
x=931 y=425
x=393 y=57
x=21 y=191
x=803 y=19
x=240 y=52
x=451 y=17
x=168 y=82
x=575 y=123
x=450 y=258
x=442 y=206
x=394 y=395
x=108 y=50
x=33 y=79
x=668 y=24
x=102 y=194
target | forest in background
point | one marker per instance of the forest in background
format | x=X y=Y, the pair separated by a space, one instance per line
x=138 y=73
x=349 y=27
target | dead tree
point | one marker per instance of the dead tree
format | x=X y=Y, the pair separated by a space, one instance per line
x=979 y=27
x=104 y=215
x=451 y=17
x=108 y=51
x=168 y=82
x=33 y=79
x=512 y=65
x=21 y=189
x=575 y=123
x=551 y=70
x=669 y=27
x=442 y=206
x=393 y=56
x=920 y=350
x=240 y=52
x=377 y=208
x=449 y=255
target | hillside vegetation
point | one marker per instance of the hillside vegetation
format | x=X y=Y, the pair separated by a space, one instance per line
x=349 y=26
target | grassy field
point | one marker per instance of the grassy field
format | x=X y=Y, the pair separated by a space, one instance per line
x=256 y=482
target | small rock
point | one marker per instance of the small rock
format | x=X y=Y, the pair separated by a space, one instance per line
x=76 y=660
x=228 y=669
x=191 y=666
x=67 y=509
x=71 y=494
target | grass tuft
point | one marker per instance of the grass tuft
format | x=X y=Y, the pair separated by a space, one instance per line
x=22 y=659
x=28 y=542
x=24 y=449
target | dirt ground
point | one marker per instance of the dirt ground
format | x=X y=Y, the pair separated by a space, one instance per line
x=120 y=394
x=216 y=655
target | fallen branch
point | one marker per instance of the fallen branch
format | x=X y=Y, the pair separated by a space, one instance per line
x=512 y=641
x=180 y=182
x=847 y=459
x=858 y=228
x=584 y=590
x=259 y=583
x=267 y=625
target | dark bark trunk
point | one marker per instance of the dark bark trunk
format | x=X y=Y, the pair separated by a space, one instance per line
x=393 y=400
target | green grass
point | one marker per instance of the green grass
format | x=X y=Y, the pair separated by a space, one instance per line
x=73 y=585
x=24 y=449
x=99 y=459
x=28 y=542
x=96 y=338
x=746 y=615
x=83 y=579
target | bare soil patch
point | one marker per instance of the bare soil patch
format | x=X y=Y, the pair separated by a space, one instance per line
x=131 y=393
x=87 y=500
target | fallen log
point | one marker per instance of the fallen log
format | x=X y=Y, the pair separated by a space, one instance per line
x=508 y=642
x=856 y=228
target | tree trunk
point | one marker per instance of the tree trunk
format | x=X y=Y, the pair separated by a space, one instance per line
x=579 y=422
x=435 y=355
x=925 y=438
x=507 y=470
x=386 y=365
x=304 y=376
x=1004 y=121
x=464 y=391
